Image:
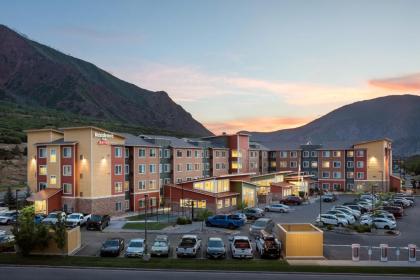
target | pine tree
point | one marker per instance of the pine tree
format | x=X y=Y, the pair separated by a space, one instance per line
x=9 y=199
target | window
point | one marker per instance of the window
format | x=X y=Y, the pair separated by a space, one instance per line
x=118 y=187
x=167 y=153
x=337 y=154
x=153 y=201
x=118 y=169
x=283 y=164
x=142 y=185
x=178 y=153
x=152 y=184
x=67 y=152
x=305 y=164
x=196 y=154
x=206 y=153
x=217 y=153
x=152 y=168
x=189 y=153
x=325 y=164
x=360 y=175
x=350 y=153
x=189 y=167
x=314 y=164
x=179 y=167
x=325 y=186
x=337 y=175
x=207 y=165
x=142 y=152
x=227 y=202
x=293 y=154
x=360 y=164
x=360 y=153
x=42 y=170
x=160 y=153
x=127 y=153
x=167 y=181
x=283 y=154
x=337 y=187
x=326 y=153
x=118 y=206
x=127 y=169
x=141 y=203
x=233 y=201
x=293 y=164
x=350 y=175
x=67 y=188
x=223 y=153
x=42 y=152
x=219 y=203
x=350 y=186
x=142 y=168
x=337 y=164
x=42 y=186
x=305 y=153
x=53 y=155
x=197 y=166
x=67 y=170
x=118 y=152
x=167 y=167
x=325 y=174
x=127 y=204
x=350 y=164
x=314 y=153
x=53 y=179
x=152 y=152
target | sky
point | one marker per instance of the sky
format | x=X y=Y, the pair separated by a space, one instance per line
x=239 y=65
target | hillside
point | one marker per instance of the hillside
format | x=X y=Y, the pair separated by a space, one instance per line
x=396 y=117
x=36 y=77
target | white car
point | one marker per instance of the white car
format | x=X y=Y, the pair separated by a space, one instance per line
x=7 y=218
x=135 y=248
x=77 y=219
x=366 y=205
x=405 y=202
x=330 y=219
x=348 y=217
x=53 y=217
x=278 y=207
x=240 y=247
x=356 y=213
x=161 y=246
x=384 y=215
x=380 y=223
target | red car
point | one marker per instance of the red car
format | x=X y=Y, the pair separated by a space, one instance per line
x=395 y=210
x=291 y=200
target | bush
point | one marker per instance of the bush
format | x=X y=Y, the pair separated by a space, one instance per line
x=361 y=228
x=203 y=214
x=183 y=221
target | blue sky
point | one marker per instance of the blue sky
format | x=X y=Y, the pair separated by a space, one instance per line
x=257 y=65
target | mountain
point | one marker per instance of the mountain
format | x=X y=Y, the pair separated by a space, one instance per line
x=38 y=77
x=396 y=117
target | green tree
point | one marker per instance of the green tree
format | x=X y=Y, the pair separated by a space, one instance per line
x=9 y=198
x=16 y=151
x=242 y=205
x=29 y=235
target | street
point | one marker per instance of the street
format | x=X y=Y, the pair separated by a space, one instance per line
x=28 y=273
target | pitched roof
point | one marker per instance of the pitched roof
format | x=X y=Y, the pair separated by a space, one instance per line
x=132 y=140
x=174 y=141
x=57 y=142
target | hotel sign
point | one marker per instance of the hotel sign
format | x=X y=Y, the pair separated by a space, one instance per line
x=103 y=137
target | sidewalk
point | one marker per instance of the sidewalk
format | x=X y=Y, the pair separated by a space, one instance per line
x=352 y=263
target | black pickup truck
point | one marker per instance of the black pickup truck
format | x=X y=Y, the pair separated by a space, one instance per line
x=267 y=245
x=98 y=222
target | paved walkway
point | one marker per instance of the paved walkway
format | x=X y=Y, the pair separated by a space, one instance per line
x=352 y=263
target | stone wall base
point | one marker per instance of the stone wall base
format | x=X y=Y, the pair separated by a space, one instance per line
x=101 y=206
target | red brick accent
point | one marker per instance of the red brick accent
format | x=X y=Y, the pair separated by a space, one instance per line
x=72 y=162
x=114 y=162
x=39 y=162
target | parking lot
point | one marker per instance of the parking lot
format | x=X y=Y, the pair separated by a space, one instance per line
x=336 y=244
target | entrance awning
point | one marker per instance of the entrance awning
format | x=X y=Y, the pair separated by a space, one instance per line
x=43 y=194
x=46 y=200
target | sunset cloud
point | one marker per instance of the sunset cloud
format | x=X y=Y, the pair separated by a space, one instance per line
x=262 y=124
x=402 y=83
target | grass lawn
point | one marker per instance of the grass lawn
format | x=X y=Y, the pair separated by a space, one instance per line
x=196 y=264
x=151 y=226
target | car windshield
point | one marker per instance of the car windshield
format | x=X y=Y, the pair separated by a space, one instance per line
x=260 y=223
x=159 y=244
x=111 y=243
x=241 y=244
x=96 y=218
x=137 y=244
x=188 y=242
x=215 y=243
x=74 y=216
x=9 y=214
x=3 y=238
x=52 y=215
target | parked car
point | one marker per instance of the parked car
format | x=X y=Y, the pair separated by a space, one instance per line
x=98 y=222
x=231 y=221
x=77 y=219
x=267 y=245
x=135 y=248
x=53 y=217
x=394 y=210
x=7 y=243
x=383 y=214
x=266 y=224
x=189 y=246
x=4 y=209
x=9 y=217
x=379 y=223
x=356 y=207
x=340 y=214
x=112 y=247
x=405 y=202
x=328 y=197
x=355 y=213
x=277 y=207
x=38 y=218
x=330 y=219
x=291 y=200
x=405 y=196
x=216 y=248
x=161 y=246
x=252 y=213
x=240 y=247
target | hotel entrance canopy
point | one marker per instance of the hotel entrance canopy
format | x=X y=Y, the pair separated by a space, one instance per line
x=46 y=200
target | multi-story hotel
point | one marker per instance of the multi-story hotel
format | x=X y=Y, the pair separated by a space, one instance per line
x=89 y=169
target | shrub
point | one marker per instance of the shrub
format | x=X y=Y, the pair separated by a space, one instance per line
x=361 y=228
x=183 y=220
x=203 y=214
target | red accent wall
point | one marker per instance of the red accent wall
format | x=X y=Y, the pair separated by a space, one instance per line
x=356 y=169
x=137 y=197
x=117 y=161
x=39 y=162
x=72 y=162
x=395 y=184
x=54 y=202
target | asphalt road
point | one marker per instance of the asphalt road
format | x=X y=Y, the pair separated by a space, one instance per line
x=23 y=273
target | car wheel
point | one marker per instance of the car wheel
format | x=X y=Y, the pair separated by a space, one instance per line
x=231 y=226
x=281 y=211
x=386 y=227
x=266 y=210
x=208 y=224
x=340 y=225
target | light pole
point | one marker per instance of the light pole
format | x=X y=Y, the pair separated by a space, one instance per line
x=146 y=198
x=17 y=208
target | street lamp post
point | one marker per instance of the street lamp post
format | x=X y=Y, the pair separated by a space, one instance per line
x=17 y=207
x=146 y=198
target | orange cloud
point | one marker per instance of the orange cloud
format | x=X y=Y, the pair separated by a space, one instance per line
x=402 y=83
x=261 y=124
